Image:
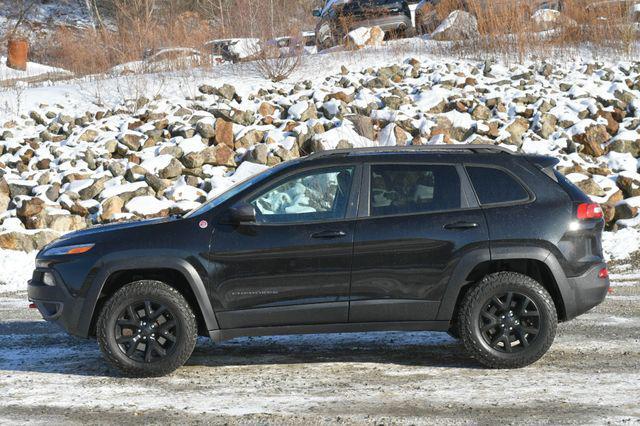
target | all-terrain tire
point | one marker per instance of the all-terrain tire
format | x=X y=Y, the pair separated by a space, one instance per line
x=470 y=321
x=174 y=303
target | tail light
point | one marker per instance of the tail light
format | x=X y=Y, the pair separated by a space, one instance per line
x=589 y=211
x=604 y=273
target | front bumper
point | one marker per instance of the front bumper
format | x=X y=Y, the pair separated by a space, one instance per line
x=56 y=303
x=589 y=290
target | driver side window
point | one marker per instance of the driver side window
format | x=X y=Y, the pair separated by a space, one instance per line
x=315 y=195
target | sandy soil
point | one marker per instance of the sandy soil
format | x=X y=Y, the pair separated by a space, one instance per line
x=589 y=376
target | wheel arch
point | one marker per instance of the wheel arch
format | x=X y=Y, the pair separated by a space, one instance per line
x=174 y=271
x=536 y=262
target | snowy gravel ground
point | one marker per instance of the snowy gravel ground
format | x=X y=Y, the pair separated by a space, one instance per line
x=590 y=376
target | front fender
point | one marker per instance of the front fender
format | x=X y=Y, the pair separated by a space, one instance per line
x=146 y=259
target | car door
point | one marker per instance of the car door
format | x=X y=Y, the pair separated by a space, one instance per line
x=292 y=265
x=415 y=223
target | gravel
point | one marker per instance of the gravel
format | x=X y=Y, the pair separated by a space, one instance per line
x=590 y=375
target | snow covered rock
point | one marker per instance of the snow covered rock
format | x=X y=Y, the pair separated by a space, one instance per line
x=459 y=25
x=365 y=36
x=148 y=207
x=546 y=19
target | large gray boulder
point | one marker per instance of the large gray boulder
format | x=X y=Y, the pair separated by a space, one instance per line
x=459 y=25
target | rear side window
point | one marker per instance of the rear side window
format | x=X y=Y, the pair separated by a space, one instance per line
x=495 y=186
x=408 y=188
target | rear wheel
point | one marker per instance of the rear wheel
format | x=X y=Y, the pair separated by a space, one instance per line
x=508 y=320
x=147 y=329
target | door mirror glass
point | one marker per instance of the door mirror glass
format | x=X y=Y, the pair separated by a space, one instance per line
x=242 y=213
x=317 y=13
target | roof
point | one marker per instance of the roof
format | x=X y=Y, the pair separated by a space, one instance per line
x=421 y=149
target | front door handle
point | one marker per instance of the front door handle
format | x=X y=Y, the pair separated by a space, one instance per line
x=461 y=225
x=328 y=234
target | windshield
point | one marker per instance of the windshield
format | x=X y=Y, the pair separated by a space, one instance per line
x=233 y=190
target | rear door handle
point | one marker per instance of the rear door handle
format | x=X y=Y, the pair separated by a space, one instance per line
x=328 y=234
x=461 y=225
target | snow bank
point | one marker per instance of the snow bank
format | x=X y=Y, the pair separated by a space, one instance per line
x=16 y=268
x=33 y=70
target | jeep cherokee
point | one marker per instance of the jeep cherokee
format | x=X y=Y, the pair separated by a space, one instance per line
x=491 y=246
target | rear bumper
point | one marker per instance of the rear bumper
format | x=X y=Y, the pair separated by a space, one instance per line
x=386 y=23
x=56 y=304
x=588 y=290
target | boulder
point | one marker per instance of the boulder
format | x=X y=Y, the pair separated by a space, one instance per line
x=27 y=241
x=65 y=223
x=459 y=25
x=630 y=187
x=23 y=187
x=625 y=211
x=224 y=132
x=249 y=139
x=30 y=207
x=111 y=207
x=593 y=139
x=133 y=141
x=516 y=129
x=590 y=187
x=171 y=170
x=364 y=36
x=205 y=129
x=547 y=19
x=363 y=126
x=626 y=146
x=226 y=91
x=259 y=154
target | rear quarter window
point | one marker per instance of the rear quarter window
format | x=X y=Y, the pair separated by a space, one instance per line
x=495 y=186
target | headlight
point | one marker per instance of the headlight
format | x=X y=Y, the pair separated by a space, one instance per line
x=62 y=251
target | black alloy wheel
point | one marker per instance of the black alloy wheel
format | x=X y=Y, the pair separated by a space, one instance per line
x=509 y=322
x=146 y=331
x=506 y=320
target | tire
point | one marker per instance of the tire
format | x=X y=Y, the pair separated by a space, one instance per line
x=154 y=319
x=495 y=328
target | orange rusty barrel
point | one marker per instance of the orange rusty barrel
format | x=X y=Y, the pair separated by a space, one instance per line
x=18 y=50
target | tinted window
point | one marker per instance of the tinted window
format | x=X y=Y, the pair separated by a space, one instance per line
x=495 y=186
x=401 y=189
x=310 y=196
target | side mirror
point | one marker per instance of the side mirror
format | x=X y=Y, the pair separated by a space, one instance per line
x=317 y=13
x=242 y=213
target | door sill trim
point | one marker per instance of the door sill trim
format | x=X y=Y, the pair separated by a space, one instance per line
x=222 y=335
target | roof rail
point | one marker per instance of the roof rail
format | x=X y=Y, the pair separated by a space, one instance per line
x=474 y=148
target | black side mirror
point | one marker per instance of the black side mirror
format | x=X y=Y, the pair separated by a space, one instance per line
x=242 y=213
x=316 y=13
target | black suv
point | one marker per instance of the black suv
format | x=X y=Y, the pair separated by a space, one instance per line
x=491 y=246
x=338 y=17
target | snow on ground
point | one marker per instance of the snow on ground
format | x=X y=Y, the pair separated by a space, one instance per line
x=589 y=376
x=16 y=268
x=33 y=71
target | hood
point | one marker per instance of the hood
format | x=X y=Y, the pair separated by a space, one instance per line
x=98 y=229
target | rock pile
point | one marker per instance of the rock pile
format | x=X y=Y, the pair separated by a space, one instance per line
x=61 y=172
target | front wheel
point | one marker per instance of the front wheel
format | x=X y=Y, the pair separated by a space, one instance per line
x=508 y=320
x=146 y=329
